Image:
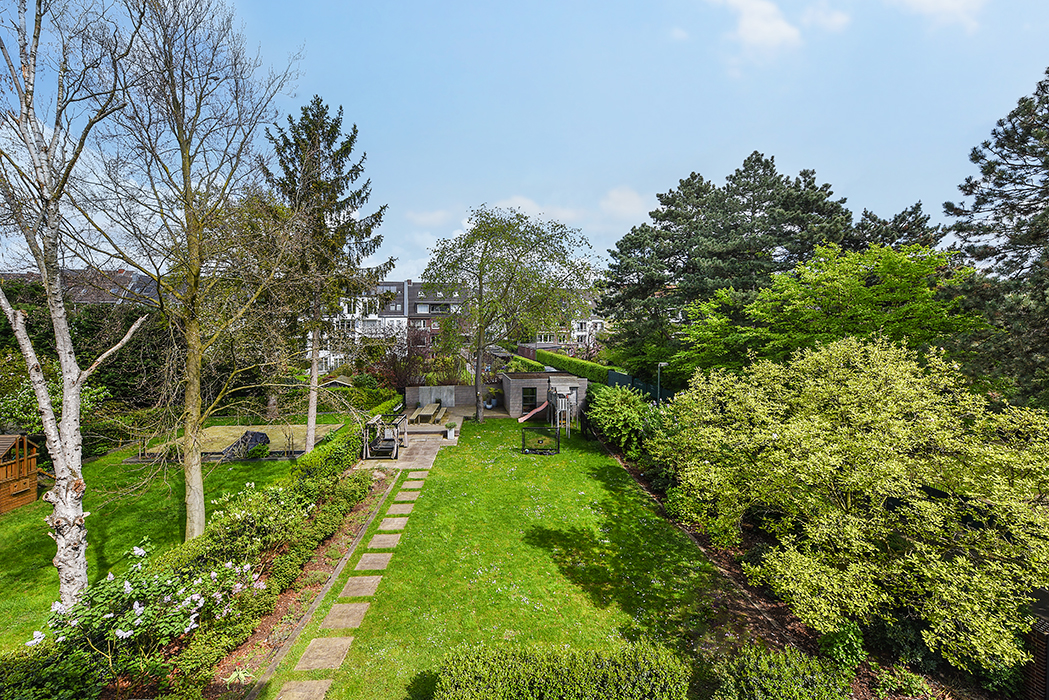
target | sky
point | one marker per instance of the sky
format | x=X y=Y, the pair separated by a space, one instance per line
x=582 y=111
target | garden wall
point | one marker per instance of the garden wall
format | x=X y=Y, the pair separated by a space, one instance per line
x=1036 y=670
x=449 y=395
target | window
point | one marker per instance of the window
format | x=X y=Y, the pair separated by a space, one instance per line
x=528 y=399
x=423 y=308
x=581 y=326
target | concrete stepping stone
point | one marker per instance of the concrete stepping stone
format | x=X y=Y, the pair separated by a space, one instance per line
x=384 y=541
x=361 y=586
x=374 y=562
x=304 y=690
x=419 y=475
x=393 y=523
x=400 y=509
x=345 y=616
x=407 y=495
x=324 y=652
x=412 y=484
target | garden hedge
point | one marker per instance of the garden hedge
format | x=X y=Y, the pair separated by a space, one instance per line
x=581 y=368
x=754 y=673
x=638 y=672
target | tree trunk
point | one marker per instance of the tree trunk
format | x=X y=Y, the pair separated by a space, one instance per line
x=63 y=436
x=478 y=379
x=311 y=411
x=193 y=427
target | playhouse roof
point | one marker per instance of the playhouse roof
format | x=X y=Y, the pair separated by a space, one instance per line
x=8 y=441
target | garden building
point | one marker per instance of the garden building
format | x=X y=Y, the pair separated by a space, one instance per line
x=524 y=392
x=17 y=472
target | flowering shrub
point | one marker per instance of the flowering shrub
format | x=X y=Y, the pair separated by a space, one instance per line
x=127 y=622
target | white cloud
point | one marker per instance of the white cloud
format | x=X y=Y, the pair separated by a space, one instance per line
x=961 y=11
x=824 y=17
x=532 y=208
x=678 y=34
x=762 y=26
x=428 y=219
x=625 y=203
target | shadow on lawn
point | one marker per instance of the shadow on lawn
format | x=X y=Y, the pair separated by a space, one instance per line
x=422 y=686
x=636 y=561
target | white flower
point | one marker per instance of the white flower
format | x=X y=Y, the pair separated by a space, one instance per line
x=121 y=634
x=138 y=551
x=109 y=577
x=138 y=607
x=127 y=587
x=58 y=607
x=37 y=638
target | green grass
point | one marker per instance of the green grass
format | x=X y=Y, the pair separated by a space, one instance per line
x=505 y=548
x=121 y=515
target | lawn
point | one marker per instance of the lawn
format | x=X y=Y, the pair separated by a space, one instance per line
x=123 y=511
x=216 y=438
x=511 y=549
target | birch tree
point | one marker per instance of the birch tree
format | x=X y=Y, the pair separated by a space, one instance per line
x=178 y=170
x=62 y=77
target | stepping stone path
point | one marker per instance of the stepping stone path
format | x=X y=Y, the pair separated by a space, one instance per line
x=328 y=652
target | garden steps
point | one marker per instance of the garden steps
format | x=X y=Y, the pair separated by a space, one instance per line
x=328 y=652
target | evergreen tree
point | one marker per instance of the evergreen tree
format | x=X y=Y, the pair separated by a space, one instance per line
x=317 y=179
x=703 y=238
x=1007 y=220
x=1005 y=223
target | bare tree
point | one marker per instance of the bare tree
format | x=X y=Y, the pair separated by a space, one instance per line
x=177 y=175
x=62 y=78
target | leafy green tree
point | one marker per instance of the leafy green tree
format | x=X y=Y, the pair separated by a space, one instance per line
x=892 y=490
x=317 y=179
x=703 y=238
x=882 y=292
x=505 y=271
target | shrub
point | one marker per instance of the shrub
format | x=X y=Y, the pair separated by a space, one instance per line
x=759 y=674
x=581 y=368
x=259 y=451
x=523 y=364
x=900 y=681
x=844 y=646
x=387 y=406
x=639 y=672
x=51 y=671
x=621 y=414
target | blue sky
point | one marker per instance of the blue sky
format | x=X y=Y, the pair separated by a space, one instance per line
x=584 y=110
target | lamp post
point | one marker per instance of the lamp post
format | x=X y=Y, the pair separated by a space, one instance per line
x=659 y=383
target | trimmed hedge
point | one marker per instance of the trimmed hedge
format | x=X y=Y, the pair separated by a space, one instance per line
x=519 y=363
x=387 y=406
x=581 y=368
x=759 y=674
x=639 y=672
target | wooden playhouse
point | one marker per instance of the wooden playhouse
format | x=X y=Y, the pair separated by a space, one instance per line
x=17 y=472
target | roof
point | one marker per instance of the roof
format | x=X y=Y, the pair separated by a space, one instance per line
x=8 y=441
x=90 y=286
